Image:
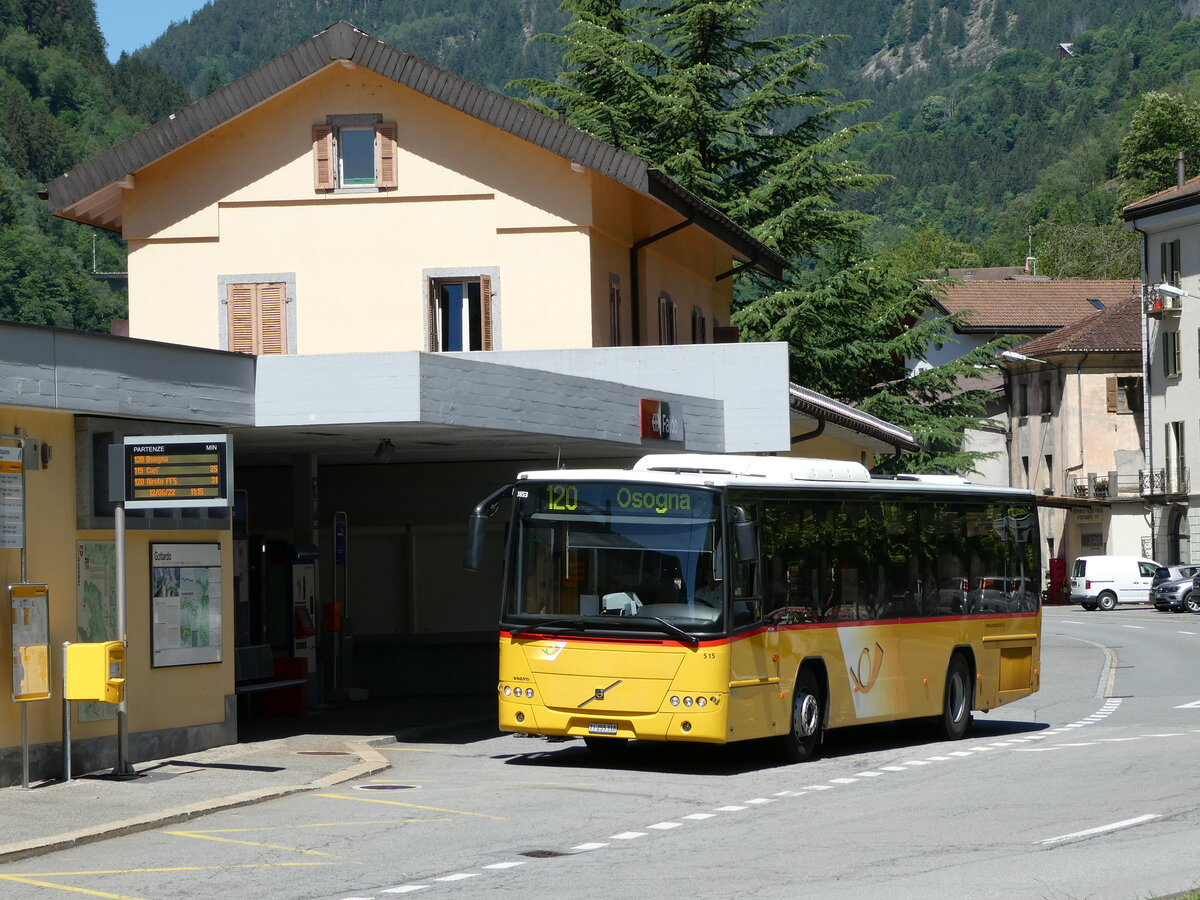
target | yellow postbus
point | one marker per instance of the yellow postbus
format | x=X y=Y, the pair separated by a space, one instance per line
x=726 y=598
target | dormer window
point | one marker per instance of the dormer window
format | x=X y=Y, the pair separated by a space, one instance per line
x=353 y=153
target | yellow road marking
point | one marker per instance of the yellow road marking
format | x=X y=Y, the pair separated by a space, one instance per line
x=459 y=812
x=212 y=837
x=292 y=827
x=63 y=887
x=159 y=869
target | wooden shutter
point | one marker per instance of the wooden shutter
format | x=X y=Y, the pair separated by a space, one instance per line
x=272 y=318
x=385 y=155
x=257 y=318
x=322 y=136
x=1110 y=388
x=240 y=301
x=485 y=309
x=434 y=345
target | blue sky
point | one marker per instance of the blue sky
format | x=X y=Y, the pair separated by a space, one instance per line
x=130 y=24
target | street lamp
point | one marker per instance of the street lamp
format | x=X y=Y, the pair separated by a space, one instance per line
x=1014 y=356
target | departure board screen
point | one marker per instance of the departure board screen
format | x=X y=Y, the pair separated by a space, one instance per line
x=177 y=470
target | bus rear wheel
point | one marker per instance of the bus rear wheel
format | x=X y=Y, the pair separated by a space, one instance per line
x=804 y=736
x=957 y=699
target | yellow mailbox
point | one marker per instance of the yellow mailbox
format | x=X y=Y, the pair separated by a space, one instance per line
x=96 y=671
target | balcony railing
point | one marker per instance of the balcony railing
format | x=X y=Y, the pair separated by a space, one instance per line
x=1105 y=486
x=1163 y=482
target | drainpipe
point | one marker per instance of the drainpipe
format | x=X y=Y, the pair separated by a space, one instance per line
x=635 y=305
x=1078 y=467
x=809 y=435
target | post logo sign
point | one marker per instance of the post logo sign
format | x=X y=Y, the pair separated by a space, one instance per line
x=657 y=422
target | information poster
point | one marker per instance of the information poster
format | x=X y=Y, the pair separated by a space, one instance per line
x=185 y=603
x=95 y=609
x=30 y=641
x=12 y=498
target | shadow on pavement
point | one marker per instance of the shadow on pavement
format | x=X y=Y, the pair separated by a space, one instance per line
x=448 y=719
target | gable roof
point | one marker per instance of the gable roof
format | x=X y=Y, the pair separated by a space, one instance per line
x=1115 y=329
x=1029 y=307
x=1174 y=197
x=91 y=192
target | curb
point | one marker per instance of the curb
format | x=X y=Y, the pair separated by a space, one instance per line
x=370 y=762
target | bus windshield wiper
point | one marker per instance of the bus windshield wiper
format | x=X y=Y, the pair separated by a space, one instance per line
x=674 y=630
x=534 y=627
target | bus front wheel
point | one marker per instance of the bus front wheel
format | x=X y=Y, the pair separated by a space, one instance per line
x=805 y=733
x=957 y=700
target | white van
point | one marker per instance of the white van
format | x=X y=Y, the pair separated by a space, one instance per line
x=1105 y=581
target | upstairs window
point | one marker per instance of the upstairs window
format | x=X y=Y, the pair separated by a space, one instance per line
x=1169 y=262
x=1171 y=356
x=460 y=314
x=668 y=328
x=1124 y=394
x=354 y=153
x=699 y=326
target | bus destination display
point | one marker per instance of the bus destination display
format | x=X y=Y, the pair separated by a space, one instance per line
x=170 y=471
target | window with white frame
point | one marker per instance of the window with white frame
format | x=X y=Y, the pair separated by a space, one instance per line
x=354 y=153
x=461 y=313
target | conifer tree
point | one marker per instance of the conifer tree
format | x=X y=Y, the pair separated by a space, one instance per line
x=693 y=87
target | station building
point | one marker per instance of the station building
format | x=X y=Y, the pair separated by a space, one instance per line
x=393 y=289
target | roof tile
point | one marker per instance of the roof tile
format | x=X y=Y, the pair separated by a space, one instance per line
x=1024 y=307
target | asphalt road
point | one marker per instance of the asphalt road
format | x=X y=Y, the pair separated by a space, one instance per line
x=1088 y=789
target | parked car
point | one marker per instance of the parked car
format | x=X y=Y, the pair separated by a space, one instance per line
x=1105 y=581
x=1175 y=573
x=995 y=593
x=1176 y=596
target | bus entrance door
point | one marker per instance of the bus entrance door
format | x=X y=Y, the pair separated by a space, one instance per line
x=756 y=708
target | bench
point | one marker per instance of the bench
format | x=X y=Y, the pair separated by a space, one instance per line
x=256 y=668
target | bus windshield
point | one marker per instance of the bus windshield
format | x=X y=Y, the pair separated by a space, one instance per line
x=621 y=556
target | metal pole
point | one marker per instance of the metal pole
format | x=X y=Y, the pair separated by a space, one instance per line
x=123 y=767
x=66 y=740
x=25 y=745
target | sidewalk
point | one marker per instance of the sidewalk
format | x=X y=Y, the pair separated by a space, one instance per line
x=277 y=757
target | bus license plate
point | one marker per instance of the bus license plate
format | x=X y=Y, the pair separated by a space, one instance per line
x=602 y=728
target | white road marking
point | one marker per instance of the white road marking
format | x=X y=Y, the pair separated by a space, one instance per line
x=628 y=835
x=901 y=768
x=593 y=845
x=1185 y=632
x=759 y=801
x=915 y=762
x=458 y=876
x=405 y=889
x=512 y=863
x=699 y=816
x=664 y=826
x=1115 y=826
x=1195 y=704
x=867 y=774
x=818 y=787
x=1138 y=627
x=842 y=780
x=730 y=808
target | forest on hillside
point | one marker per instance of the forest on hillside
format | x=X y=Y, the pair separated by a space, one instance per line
x=991 y=141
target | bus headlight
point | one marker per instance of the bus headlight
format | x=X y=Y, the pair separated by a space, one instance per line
x=687 y=701
x=517 y=692
x=674 y=701
x=507 y=691
x=528 y=693
x=700 y=701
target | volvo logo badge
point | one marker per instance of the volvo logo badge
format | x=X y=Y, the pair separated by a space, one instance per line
x=600 y=692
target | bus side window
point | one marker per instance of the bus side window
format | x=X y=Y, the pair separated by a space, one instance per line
x=747 y=593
